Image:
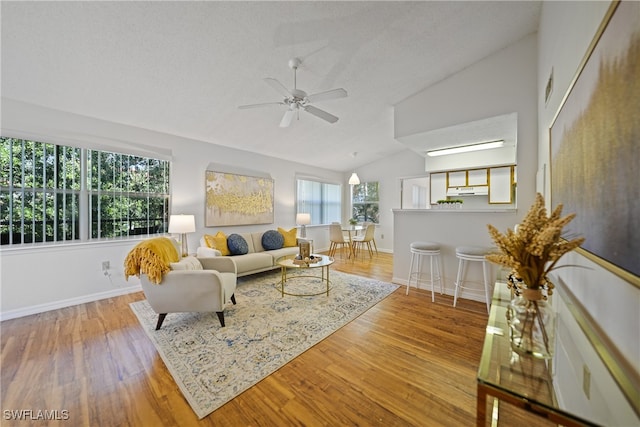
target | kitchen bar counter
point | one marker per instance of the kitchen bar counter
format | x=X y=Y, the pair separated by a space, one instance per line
x=450 y=228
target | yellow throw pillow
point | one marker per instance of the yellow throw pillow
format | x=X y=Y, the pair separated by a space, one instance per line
x=290 y=238
x=219 y=242
x=210 y=241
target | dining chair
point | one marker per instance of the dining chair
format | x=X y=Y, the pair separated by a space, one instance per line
x=373 y=240
x=367 y=238
x=337 y=239
x=345 y=235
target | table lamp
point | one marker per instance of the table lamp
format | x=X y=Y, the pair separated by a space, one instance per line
x=182 y=224
x=303 y=219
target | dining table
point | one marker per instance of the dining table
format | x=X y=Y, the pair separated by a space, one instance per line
x=351 y=230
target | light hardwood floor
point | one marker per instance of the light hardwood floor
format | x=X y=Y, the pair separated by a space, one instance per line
x=406 y=361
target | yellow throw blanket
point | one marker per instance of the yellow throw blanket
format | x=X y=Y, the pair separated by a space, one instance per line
x=151 y=257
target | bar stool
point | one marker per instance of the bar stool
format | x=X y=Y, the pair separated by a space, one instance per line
x=468 y=254
x=418 y=251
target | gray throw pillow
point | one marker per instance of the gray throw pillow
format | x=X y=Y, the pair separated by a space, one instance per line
x=237 y=245
x=271 y=240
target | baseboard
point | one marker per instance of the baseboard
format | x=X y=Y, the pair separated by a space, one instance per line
x=41 y=308
x=466 y=294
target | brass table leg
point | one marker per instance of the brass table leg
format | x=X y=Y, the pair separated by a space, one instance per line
x=283 y=278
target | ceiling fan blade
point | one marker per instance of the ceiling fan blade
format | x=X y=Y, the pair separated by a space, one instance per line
x=320 y=113
x=286 y=119
x=279 y=87
x=264 y=104
x=330 y=94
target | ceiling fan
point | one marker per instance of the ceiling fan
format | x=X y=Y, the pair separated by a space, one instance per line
x=296 y=99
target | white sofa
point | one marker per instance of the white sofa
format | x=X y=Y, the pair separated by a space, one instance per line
x=256 y=260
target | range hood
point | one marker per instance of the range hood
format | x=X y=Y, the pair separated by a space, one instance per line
x=480 y=190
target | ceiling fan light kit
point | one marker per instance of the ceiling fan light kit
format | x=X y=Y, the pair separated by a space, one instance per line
x=296 y=99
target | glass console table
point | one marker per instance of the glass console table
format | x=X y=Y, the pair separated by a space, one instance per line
x=521 y=381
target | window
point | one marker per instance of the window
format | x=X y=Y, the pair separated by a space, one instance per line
x=320 y=199
x=364 y=202
x=415 y=192
x=128 y=195
x=39 y=192
x=44 y=197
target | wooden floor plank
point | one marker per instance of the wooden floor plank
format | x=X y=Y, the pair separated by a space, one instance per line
x=406 y=361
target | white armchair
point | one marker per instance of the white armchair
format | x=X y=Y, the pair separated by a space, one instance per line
x=190 y=287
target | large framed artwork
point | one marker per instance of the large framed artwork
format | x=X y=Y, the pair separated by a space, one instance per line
x=233 y=199
x=595 y=146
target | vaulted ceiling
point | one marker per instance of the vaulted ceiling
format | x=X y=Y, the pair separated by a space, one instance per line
x=183 y=68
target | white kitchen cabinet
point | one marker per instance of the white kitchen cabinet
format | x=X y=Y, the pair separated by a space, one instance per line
x=477 y=177
x=438 y=187
x=457 y=179
x=501 y=185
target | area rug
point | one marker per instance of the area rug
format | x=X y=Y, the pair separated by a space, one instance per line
x=263 y=332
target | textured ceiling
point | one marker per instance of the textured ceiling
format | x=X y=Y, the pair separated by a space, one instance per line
x=183 y=68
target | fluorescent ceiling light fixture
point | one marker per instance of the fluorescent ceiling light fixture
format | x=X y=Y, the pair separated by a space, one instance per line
x=466 y=148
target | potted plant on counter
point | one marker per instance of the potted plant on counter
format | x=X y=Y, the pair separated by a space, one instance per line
x=449 y=203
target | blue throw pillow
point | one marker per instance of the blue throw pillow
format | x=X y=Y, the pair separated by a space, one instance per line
x=237 y=245
x=271 y=240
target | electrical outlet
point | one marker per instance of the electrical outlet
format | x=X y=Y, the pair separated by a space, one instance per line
x=381 y=236
x=105 y=265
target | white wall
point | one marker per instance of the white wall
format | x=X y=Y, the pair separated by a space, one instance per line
x=508 y=85
x=388 y=173
x=566 y=31
x=36 y=279
x=502 y=83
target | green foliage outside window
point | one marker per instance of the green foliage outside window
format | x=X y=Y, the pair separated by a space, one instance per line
x=365 y=202
x=41 y=191
x=128 y=195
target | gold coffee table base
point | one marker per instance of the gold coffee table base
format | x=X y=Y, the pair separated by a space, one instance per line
x=286 y=263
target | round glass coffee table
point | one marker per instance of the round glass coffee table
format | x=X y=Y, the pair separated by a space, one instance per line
x=287 y=263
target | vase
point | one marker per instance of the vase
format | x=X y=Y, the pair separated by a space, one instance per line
x=532 y=324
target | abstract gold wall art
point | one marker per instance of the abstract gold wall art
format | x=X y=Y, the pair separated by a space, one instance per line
x=237 y=199
x=595 y=146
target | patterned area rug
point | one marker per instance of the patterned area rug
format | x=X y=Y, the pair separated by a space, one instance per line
x=263 y=332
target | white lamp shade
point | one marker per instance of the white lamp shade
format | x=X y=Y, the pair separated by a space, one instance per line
x=303 y=219
x=354 y=180
x=182 y=224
